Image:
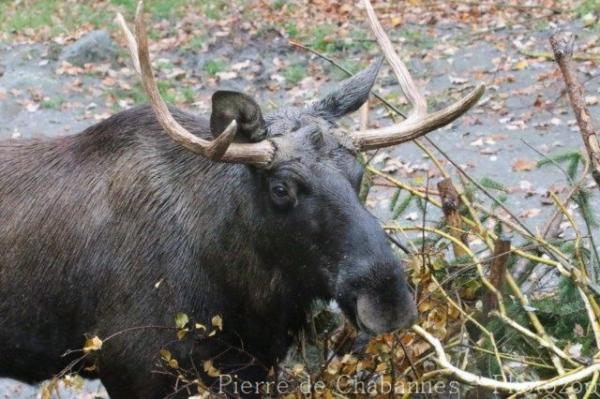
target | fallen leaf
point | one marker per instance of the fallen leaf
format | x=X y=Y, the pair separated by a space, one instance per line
x=227 y=75
x=521 y=165
x=530 y=213
x=519 y=66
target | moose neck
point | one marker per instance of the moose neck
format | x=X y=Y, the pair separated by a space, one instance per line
x=226 y=228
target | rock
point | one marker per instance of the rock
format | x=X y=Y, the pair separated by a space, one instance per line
x=93 y=47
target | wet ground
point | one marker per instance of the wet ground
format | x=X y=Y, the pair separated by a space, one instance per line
x=523 y=116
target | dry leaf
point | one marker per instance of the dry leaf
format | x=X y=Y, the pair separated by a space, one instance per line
x=92 y=344
x=521 y=165
x=530 y=213
x=181 y=320
x=210 y=369
x=519 y=66
x=217 y=322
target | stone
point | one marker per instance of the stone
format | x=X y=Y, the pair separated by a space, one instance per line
x=93 y=47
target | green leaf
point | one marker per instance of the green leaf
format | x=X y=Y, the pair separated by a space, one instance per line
x=394 y=199
x=492 y=184
x=558 y=158
x=402 y=206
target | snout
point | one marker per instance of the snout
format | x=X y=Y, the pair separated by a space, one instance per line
x=374 y=316
x=371 y=286
x=377 y=298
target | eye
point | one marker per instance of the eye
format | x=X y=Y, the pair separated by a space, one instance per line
x=280 y=191
x=283 y=195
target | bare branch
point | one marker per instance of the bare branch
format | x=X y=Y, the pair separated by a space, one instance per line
x=578 y=374
x=562 y=45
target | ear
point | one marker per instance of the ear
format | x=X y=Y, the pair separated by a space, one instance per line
x=349 y=95
x=229 y=105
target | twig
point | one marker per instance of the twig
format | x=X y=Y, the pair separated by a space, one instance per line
x=482 y=189
x=548 y=56
x=539 y=327
x=565 y=268
x=592 y=387
x=578 y=374
x=475 y=322
x=517 y=6
x=528 y=333
x=562 y=45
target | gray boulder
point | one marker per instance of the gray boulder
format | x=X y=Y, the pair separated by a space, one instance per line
x=93 y=47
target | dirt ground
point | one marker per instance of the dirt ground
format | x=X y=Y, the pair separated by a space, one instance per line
x=523 y=117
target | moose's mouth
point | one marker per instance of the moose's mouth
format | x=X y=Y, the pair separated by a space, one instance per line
x=374 y=318
x=363 y=328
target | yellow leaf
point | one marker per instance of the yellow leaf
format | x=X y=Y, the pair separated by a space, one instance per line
x=200 y=327
x=520 y=65
x=46 y=393
x=92 y=344
x=381 y=367
x=166 y=355
x=73 y=381
x=298 y=369
x=182 y=333
x=181 y=319
x=173 y=364
x=217 y=322
x=49 y=388
x=333 y=367
x=210 y=369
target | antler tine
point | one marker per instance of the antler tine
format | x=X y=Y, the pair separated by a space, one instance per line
x=407 y=84
x=221 y=148
x=131 y=43
x=419 y=122
x=413 y=128
x=211 y=149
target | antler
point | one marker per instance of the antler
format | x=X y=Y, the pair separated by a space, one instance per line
x=419 y=122
x=221 y=148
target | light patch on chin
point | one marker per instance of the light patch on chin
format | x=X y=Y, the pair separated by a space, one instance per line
x=368 y=315
x=334 y=306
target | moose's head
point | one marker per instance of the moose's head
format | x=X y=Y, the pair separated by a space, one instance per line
x=308 y=178
x=308 y=195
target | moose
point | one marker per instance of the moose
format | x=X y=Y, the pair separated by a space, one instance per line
x=153 y=212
